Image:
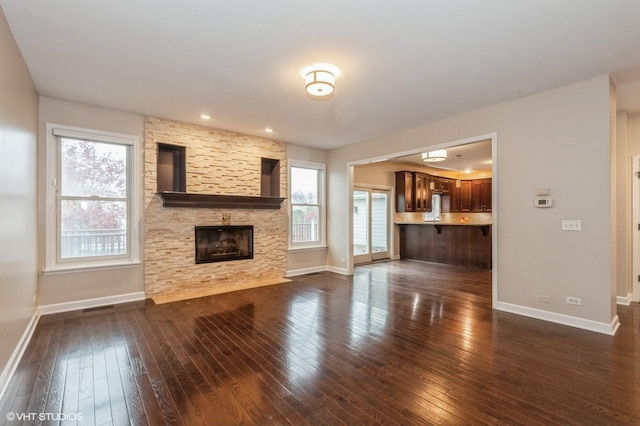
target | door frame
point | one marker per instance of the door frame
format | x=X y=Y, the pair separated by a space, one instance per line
x=635 y=200
x=390 y=208
x=389 y=157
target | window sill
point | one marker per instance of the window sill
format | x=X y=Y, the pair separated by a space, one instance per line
x=62 y=269
x=304 y=248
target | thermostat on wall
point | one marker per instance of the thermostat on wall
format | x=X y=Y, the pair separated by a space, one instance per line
x=543 y=202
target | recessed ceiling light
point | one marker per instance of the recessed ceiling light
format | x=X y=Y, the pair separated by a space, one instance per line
x=268 y=130
x=205 y=116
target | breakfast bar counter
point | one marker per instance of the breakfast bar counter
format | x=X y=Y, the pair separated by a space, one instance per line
x=455 y=243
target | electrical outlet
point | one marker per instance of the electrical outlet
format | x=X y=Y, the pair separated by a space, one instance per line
x=544 y=299
x=574 y=301
x=572 y=225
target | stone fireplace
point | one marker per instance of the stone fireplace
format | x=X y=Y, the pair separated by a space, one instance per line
x=223 y=243
x=223 y=166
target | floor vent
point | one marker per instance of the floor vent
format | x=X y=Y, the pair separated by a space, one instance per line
x=97 y=308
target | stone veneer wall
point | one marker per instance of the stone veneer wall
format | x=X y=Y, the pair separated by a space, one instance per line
x=218 y=162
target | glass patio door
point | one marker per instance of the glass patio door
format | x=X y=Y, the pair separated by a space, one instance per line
x=370 y=225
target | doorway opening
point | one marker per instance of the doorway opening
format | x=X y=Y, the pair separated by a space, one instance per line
x=381 y=172
x=371 y=223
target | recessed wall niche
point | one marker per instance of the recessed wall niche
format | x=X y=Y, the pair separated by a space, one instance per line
x=171 y=170
x=270 y=178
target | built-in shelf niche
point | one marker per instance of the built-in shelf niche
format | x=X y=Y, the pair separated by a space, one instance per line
x=171 y=167
x=270 y=178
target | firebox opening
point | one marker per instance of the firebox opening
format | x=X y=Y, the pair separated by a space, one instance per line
x=223 y=243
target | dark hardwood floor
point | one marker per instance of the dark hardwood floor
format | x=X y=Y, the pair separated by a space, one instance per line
x=398 y=343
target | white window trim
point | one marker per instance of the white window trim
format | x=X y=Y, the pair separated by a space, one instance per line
x=52 y=265
x=322 y=196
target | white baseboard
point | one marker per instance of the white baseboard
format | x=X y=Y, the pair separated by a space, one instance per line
x=305 y=271
x=76 y=305
x=585 y=324
x=342 y=271
x=621 y=300
x=16 y=356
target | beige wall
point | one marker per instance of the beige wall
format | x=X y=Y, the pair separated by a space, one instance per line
x=18 y=225
x=613 y=197
x=72 y=287
x=559 y=140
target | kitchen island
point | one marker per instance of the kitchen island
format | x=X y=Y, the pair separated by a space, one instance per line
x=454 y=243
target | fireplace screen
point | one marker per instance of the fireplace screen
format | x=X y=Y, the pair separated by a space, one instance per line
x=222 y=243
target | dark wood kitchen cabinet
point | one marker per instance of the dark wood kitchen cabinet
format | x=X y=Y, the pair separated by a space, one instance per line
x=422 y=192
x=460 y=201
x=412 y=192
x=440 y=185
x=404 y=192
x=464 y=245
x=481 y=195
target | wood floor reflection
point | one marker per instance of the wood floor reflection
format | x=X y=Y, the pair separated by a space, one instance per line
x=398 y=343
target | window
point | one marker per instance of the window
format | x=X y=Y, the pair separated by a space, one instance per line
x=307 y=216
x=91 y=198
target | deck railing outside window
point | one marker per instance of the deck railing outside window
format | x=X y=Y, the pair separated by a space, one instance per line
x=93 y=242
x=304 y=232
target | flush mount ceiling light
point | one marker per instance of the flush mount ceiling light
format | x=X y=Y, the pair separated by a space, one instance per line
x=320 y=83
x=433 y=156
x=320 y=80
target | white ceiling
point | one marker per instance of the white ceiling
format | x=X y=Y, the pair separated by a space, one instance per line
x=402 y=62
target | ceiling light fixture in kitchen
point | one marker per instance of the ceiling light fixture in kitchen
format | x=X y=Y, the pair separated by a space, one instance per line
x=433 y=156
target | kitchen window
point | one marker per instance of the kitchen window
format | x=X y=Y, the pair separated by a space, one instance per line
x=91 y=199
x=307 y=215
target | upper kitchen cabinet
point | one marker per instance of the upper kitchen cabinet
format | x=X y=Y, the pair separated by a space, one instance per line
x=404 y=192
x=439 y=185
x=422 y=192
x=412 y=192
x=460 y=197
x=481 y=195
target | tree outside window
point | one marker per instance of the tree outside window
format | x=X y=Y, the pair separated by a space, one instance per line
x=93 y=204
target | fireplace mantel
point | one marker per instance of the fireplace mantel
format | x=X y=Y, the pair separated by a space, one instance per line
x=212 y=201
